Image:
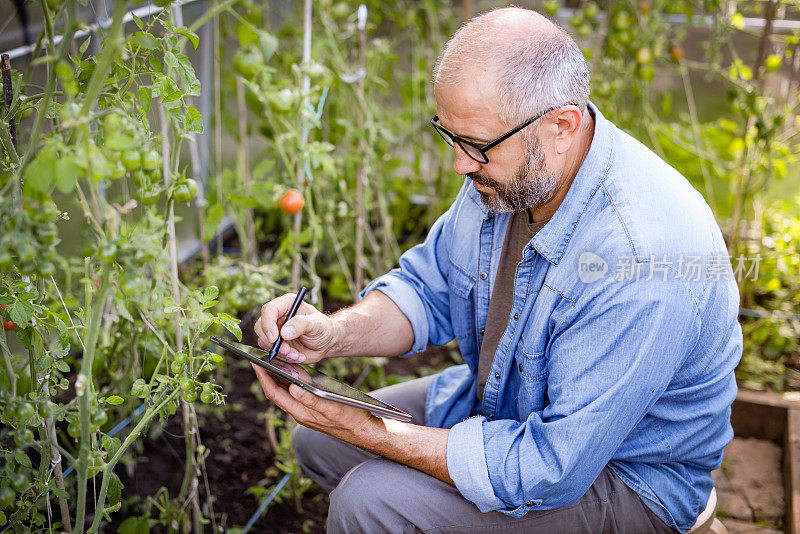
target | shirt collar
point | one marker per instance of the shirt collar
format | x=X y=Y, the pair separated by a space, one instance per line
x=551 y=241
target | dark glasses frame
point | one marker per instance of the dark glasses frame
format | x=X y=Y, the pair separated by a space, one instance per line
x=452 y=139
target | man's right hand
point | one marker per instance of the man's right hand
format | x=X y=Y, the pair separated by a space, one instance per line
x=307 y=338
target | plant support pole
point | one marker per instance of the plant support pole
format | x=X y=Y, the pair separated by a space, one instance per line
x=249 y=246
x=360 y=215
x=8 y=95
x=306 y=88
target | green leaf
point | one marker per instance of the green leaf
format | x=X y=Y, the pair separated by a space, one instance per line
x=59 y=493
x=115 y=400
x=114 y=489
x=137 y=21
x=241 y=201
x=84 y=46
x=214 y=216
x=135 y=525
x=230 y=324
x=62 y=366
x=145 y=96
x=67 y=173
x=193 y=122
x=21 y=311
x=144 y=40
x=189 y=34
x=269 y=44
x=246 y=35
x=22 y=459
x=40 y=173
x=140 y=389
x=260 y=171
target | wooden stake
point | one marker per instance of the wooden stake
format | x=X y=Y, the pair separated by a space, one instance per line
x=300 y=179
x=8 y=95
x=360 y=209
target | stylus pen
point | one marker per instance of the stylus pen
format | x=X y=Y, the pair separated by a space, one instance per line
x=292 y=312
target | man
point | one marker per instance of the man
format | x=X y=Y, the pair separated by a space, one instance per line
x=587 y=286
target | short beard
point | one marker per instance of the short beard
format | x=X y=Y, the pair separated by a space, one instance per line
x=532 y=185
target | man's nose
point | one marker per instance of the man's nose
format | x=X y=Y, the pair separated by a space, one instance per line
x=464 y=164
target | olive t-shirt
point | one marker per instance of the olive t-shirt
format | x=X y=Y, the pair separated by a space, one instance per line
x=521 y=229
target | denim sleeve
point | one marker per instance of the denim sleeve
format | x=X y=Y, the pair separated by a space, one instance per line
x=419 y=285
x=610 y=361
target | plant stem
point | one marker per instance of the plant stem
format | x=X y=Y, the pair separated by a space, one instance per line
x=84 y=389
x=109 y=467
x=44 y=103
x=111 y=47
x=249 y=244
x=12 y=376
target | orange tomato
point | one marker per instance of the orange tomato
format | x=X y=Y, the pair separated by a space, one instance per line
x=292 y=201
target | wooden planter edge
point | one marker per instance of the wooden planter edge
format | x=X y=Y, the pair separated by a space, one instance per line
x=774 y=417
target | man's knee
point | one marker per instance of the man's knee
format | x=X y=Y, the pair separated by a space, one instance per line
x=354 y=501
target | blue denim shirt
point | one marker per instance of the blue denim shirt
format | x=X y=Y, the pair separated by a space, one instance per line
x=620 y=348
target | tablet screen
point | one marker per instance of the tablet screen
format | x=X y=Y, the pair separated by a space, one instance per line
x=304 y=373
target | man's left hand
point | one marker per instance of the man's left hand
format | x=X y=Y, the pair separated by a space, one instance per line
x=347 y=423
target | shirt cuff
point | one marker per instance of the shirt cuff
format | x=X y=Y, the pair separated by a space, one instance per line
x=466 y=464
x=406 y=298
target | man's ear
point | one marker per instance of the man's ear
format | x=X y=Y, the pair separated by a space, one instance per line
x=567 y=122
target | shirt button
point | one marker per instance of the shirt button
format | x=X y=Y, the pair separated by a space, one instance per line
x=497 y=375
x=516 y=316
x=484 y=276
x=482 y=331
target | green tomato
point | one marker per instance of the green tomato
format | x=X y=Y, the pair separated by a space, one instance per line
x=189 y=395
x=45 y=269
x=246 y=63
x=551 y=7
x=99 y=418
x=147 y=197
x=74 y=429
x=25 y=411
x=177 y=367
x=47 y=233
x=140 y=177
x=621 y=21
x=6 y=261
x=45 y=409
x=26 y=253
x=23 y=437
x=187 y=384
x=131 y=160
x=207 y=397
x=185 y=191
x=18 y=481
x=162 y=3
x=585 y=29
x=7 y=496
x=591 y=10
x=208 y=386
x=118 y=171
x=150 y=160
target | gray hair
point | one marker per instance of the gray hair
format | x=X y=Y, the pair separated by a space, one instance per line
x=534 y=70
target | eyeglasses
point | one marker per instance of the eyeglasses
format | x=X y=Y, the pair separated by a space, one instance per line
x=477 y=152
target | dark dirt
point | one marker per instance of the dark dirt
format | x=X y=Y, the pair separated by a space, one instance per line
x=240 y=454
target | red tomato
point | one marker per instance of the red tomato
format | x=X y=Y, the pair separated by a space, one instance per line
x=8 y=325
x=292 y=201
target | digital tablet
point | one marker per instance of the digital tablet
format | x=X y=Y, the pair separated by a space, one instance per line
x=314 y=381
